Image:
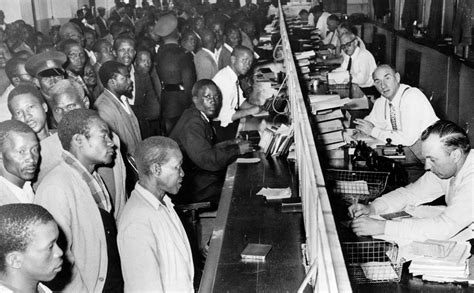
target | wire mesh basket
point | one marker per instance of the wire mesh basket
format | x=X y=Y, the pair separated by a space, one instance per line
x=361 y=185
x=342 y=89
x=372 y=261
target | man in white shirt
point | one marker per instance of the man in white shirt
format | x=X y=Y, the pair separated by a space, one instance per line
x=401 y=113
x=319 y=18
x=154 y=249
x=450 y=172
x=359 y=62
x=234 y=104
x=28 y=250
x=19 y=155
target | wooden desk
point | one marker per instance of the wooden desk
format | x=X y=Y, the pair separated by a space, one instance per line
x=244 y=217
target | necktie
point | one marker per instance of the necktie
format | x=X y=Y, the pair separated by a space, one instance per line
x=393 y=117
x=238 y=96
x=349 y=65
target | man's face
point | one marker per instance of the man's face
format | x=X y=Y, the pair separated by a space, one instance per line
x=42 y=258
x=98 y=147
x=73 y=34
x=89 y=40
x=438 y=160
x=332 y=25
x=387 y=82
x=209 y=101
x=77 y=58
x=218 y=30
x=27 y=109
x=122 y=83
x=101 y=12
x=90 y=77
x=22 y=74
x=171 y=174
x=348 y=44
x=64 y=103
x=189 y=43
x=5 y=55
x=143 y=62
x=125 y=53
x=234 y=38
x=242 y=63
x=106 y=53
x=46 y=83
x=20 y=156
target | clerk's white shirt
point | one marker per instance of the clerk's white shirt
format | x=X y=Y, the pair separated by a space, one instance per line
x=362 y=66
x=226 y=80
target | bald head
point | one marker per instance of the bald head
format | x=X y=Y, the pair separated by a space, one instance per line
x=241 y=60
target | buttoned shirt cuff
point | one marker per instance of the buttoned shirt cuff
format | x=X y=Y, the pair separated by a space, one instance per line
x=376 y=132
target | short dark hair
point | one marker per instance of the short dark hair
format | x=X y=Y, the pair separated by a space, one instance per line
x=121 y=40
x=334 y=17
x=153 y=150
x=11 y=67
x=451 y=135
x=77 y=121
x=99 y=44
x=7 y=127
x=25 y=88
x=200 y=85
x=64 y=45
x=239 y=49
x=16 y=221
x=109 y=70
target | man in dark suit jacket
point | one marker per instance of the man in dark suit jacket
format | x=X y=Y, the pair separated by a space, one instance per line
x=205 y=162
x=101 y=22
x=232 y=38
x=146 y=106
x=205 y=59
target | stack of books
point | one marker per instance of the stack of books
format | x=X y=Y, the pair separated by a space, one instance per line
x=328 y=115
x=303 y=59
x=276 y=140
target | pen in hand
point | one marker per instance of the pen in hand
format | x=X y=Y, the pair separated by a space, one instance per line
x=355 y=203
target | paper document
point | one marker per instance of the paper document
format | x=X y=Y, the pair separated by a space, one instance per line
x=379 y=271
x=275 y=193
x=248 y=160
x=352 y=187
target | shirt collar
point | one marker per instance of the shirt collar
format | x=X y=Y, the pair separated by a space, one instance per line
x=151 y=198
x=24 y=195
x=228 y=47
x=232 y=75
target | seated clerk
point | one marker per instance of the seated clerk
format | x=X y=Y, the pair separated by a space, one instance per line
x=205 y=162
x=76 y=195
x=17 y=169
x=66 y=96
x=234 y=104
x=154 y=249
x=449 y=171
x=28 y=251
x=359 y=62
x=331 y=41
x=401 y=113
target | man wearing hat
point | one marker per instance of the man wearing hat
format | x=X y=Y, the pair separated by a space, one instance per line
x=176 y=71
x=46 y=69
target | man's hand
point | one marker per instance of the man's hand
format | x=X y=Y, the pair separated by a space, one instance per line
x=365 y=226
x=364 y=126
x=245 y=147
x=357 y=210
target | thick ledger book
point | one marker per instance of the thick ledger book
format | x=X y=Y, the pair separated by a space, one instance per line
x=255 y=251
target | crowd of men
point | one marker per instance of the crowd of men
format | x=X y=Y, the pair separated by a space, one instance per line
x=109 y=121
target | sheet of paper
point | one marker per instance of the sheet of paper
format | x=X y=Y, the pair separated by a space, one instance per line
x=352 y=187
x=275 y=193
x=378 y=271
x=248 y=160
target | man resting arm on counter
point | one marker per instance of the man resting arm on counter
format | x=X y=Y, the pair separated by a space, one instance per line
x=450 y=172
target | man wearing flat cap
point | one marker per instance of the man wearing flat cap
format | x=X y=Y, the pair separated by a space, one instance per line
x=176 y=71
x=46 y=69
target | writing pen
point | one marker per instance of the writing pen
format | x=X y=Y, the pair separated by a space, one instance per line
x=355 y=203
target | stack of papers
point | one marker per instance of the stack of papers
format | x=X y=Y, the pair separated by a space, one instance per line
x=275 y=193
x=439 y=260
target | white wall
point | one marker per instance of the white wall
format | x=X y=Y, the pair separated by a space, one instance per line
x=17 y=9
